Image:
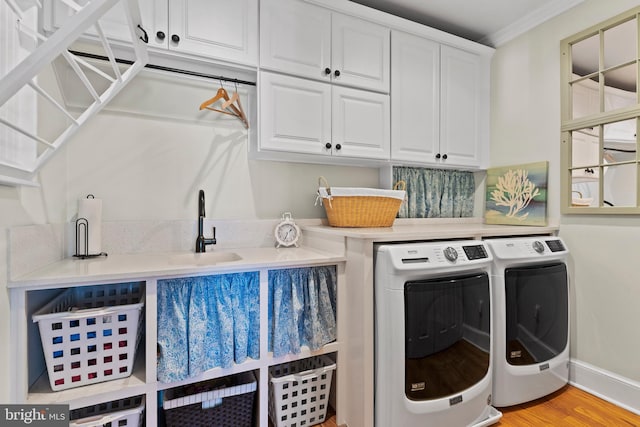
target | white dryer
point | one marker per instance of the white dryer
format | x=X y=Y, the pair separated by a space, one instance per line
x=433 y=320
x=531 y=318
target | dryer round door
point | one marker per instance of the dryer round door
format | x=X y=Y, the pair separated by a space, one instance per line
x=537 y=313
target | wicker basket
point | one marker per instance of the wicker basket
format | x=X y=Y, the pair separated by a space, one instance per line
x=361 y=207
x=580 y=201
x=223 y=402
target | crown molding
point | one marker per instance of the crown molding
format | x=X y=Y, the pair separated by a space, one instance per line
x=535 y=18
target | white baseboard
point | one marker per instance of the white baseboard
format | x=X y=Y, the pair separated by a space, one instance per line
x=611 y=387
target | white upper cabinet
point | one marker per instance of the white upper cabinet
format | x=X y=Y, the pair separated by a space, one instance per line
x=461 y=108
x=360 y=123
x=308 y=41
x=284 y=125
x=303 y=116
x=440 y=103
x=415 y=98
x=360 y=53
x=295 y=38
x=220 y=29
x=225 y=30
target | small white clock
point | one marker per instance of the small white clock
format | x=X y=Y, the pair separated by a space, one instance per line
x=287 y=232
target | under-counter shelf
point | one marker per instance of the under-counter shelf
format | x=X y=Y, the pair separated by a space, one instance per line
x=249 y=365
x=305 y=352
x=40 y=392
x=30 y=380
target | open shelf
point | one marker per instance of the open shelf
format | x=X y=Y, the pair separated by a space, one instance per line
x=41 y=393
x=143 y=381
x=248 y=365
x=304 y=353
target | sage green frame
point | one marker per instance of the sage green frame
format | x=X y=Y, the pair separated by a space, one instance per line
x=568 y=125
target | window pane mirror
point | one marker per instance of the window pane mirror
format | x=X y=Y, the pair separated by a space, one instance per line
x=600 y=111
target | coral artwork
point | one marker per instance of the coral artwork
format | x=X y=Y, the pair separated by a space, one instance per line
x=515 y=191
x=517 y=195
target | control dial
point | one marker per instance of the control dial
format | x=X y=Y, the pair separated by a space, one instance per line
x=538 y=246
x=450 y=253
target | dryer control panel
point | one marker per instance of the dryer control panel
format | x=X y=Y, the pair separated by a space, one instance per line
x=555 y=245
x=527 y=247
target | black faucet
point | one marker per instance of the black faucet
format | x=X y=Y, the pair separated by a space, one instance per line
x=201 y=241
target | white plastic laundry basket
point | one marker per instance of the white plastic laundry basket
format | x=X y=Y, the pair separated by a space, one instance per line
x=90 y=334
x=299 y=391
x=125 y=412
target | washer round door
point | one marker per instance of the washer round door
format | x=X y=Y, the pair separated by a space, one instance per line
x=447 y=335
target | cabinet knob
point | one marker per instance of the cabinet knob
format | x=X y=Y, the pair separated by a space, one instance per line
x=327 y=145
x=336 y=73
x=444 y=157
x=175 y=38
x=160 y=35
x=438 y=156
x=338 y=146
x=327 y=71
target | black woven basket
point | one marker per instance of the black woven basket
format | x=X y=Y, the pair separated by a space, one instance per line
x=235 y=410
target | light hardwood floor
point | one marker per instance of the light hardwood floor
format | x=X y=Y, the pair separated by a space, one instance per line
x=568 y=407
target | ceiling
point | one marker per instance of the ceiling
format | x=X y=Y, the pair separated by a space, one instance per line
x=490 y=22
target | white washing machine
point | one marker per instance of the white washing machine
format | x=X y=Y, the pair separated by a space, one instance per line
x=531 y=318
x=433 y=335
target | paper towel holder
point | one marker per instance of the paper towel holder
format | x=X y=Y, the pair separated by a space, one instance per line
x=82 y=224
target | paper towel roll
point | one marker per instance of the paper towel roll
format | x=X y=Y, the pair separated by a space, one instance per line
x=90 y=208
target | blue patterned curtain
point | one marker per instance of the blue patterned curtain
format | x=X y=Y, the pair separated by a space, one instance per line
x=206 y=322
x=436 y=193
x=302 y=308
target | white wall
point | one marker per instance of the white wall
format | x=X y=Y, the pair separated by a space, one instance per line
x=525 y=127
x=151 y=168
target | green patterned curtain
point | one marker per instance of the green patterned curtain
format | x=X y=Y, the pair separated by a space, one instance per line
x=436 y=193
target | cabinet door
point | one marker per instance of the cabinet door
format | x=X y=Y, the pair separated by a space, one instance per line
x=295 y=114
x=220 y=29
x=295 y=38
x=360 y=53
x=114 y=23
x=460 y=107
x=415 y=104
x=360 y=123
x=155 y=20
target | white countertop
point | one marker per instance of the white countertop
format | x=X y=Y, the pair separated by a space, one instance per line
x=71 y=271
x=430 y=230
x=322 y=244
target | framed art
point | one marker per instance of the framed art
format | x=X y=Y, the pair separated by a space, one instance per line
x=517 y=195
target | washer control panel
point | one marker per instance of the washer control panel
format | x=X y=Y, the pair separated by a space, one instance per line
x=527 y=247
x=428 y=255
x=450 y=253
x=475 y=252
